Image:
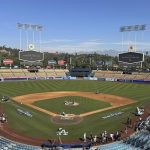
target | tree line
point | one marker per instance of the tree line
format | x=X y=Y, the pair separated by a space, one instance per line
x=76 y=60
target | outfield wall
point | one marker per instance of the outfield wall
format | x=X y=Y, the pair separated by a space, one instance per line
x=74 y=78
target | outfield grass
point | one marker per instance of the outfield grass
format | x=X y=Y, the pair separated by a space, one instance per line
x=57 y=105
x=135 y=91
x=40 y=125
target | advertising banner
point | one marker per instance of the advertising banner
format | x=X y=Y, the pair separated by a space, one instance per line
x=110 y=79
x=61 y=62
x=99 y=63
x=108 y=63
x=7 y=61
x=51 y=62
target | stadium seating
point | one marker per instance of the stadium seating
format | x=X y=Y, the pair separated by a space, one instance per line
x=137 y=141
x=42 y=73
x=117 y=146
x=6 y=144
x=109 y=74
x=119 y=75
x=16 y=73
x=140 y=139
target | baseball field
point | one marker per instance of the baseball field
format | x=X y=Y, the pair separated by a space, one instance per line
x=45 y=99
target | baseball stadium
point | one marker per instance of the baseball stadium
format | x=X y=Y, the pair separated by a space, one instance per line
x=64 y=87
x=49 y=108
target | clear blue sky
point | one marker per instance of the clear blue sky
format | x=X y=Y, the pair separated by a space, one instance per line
x=70 y=25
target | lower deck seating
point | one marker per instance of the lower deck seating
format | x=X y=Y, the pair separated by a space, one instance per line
x=6 y=144
x=117 y=146
x=140 y=139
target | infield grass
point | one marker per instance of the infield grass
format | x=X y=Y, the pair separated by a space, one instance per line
x=57 y=105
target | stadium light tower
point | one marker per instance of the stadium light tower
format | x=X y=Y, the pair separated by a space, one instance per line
x=26 y=28
x=129 y=29
x=40 y=29
x=20 y=27
x=33 y=27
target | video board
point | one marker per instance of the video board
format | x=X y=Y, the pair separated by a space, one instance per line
x=131 y=57
x=31 y=56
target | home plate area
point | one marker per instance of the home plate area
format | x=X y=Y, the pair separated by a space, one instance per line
x=66 y=119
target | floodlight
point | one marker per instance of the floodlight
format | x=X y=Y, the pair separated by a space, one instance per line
x=26 y=26
x=129 y=28
x=122 y=29
x=132 y=28
x=33 y=27
x=136 y=27
x=39 y=28
x=143 y=27
x=19 y=25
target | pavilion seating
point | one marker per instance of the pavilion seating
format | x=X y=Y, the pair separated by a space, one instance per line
x=119 y=75
x=7 y=75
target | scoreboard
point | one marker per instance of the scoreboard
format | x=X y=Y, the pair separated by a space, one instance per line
x=31 y=56
x=131 y=57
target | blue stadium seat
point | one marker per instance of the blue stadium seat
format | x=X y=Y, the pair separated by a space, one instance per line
x=6 y=144
x=117 y=146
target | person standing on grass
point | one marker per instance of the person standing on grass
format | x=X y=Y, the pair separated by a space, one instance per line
x=84 y=137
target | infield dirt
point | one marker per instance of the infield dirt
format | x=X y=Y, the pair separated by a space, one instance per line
x=115 y=101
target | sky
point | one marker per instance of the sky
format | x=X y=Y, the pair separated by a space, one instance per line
x=75 y=25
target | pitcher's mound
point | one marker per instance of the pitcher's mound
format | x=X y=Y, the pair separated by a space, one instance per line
x=70 y=103
x=67 y=119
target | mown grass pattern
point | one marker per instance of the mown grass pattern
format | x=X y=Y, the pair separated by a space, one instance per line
x=40 y=125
